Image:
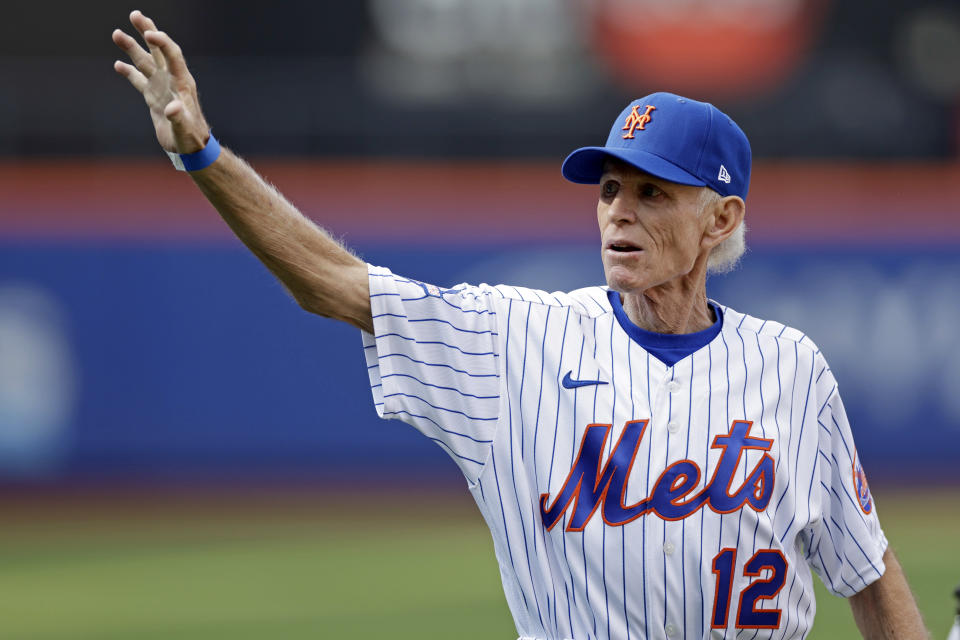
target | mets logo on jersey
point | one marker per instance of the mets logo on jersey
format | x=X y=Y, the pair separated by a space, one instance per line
x=590 y=485
x=860 y=484
x=636 y=120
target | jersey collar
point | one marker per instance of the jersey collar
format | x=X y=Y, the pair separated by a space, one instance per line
x=650 y=340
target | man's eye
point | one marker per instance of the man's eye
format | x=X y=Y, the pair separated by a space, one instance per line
x=651 y=190
x=609 y=188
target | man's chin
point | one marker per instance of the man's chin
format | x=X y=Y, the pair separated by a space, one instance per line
x=623 y=283
x=623 y=290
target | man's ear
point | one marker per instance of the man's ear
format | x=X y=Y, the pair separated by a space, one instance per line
x=723 y=219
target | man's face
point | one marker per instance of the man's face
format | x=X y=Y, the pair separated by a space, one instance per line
x=651 y=230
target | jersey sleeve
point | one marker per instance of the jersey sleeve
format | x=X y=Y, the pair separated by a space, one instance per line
x=433 y=362
x=846 y=543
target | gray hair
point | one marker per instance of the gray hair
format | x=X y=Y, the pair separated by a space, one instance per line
x=724 y=257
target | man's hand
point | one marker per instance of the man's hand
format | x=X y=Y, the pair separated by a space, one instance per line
x=162 y=77
x=322 y=276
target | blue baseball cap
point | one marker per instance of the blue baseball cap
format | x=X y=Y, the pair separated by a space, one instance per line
x=673 y=138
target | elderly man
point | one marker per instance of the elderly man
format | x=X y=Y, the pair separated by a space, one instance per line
x=594 y=426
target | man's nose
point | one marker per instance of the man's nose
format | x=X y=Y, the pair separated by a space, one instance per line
x=623 y=209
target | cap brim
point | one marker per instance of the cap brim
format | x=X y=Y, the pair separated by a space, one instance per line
x=585 y=165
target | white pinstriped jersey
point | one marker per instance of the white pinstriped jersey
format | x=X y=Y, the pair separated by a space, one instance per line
x=627 y=498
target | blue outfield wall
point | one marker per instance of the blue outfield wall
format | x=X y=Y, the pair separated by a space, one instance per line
x=185 y=360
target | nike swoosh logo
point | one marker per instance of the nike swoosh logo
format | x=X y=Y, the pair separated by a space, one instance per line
x=570 y=383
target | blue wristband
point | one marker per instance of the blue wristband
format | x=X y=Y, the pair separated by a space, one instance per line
x=203 y=158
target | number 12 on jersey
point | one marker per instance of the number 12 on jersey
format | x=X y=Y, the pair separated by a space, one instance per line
x=748 y=616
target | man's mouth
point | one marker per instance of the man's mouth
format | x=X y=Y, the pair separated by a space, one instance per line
x=622 y=247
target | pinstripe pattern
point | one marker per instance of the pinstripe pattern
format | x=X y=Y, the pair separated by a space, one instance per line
x=478 y=370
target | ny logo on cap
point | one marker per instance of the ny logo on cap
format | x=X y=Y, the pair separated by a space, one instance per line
x=636 y=120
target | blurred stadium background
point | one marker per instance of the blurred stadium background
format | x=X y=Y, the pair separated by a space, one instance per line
x=186 y=454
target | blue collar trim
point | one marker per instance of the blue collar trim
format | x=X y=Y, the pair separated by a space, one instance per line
x=651 y=341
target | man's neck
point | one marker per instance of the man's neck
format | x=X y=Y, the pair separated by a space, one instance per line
x=677 y=307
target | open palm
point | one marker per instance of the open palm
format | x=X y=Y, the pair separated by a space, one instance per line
x=162 y=77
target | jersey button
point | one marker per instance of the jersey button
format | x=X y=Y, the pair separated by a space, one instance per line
x=669 y=548
x=673 y=386
x=673 y=426
x=670 y=629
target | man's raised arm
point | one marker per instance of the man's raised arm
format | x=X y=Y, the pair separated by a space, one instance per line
x=322 y=276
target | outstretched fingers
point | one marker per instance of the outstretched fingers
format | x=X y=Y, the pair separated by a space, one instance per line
x=144 y=24
x=162 y=77
x=172 y=56
x=131 y=73
x=140 y=58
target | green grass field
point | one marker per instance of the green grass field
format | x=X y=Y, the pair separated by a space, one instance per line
x=302 y=565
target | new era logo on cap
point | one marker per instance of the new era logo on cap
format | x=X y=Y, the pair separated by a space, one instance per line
x=723 y=176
